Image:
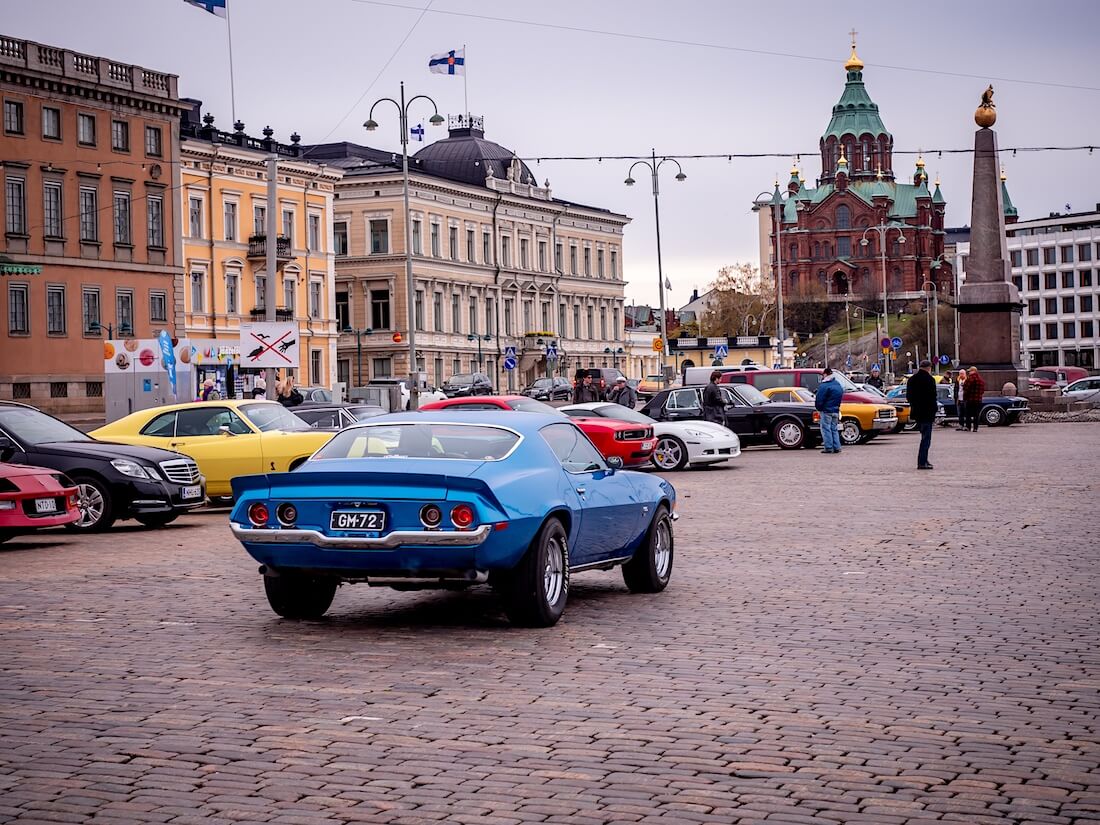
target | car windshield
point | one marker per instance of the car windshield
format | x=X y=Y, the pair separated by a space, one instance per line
x=531 y=405
x=543 y=382
x=845 y=382
x=473 y=442
x=462 y=378
x=363 y=413
x=29 y=426
x=616 y=411
x=269 y=417
x=750 y=394
x=871 y=390
x=1045 y=375
x=653 y=378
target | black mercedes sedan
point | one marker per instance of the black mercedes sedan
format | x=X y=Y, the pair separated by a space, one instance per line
x=747 y=412
x=114 y=481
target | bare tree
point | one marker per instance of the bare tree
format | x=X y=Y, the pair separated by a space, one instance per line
x=739 y=303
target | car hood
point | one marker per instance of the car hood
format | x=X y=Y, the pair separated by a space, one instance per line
x=678 y=427
x=106 y=450
x=597 y=423
x=795 y=407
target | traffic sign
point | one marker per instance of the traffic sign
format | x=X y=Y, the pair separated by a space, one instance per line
x=944 y=359
x=509 y=362
x=885 y=342
x=551 y=352
x=896 y=343
x=658 y=345
x=510 y=352
x=848 y=362
x=721 y=351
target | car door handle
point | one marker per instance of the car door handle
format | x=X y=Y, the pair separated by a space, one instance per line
x=582 y=490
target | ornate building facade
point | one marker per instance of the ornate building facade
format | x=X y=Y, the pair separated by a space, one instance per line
x=830 y=247
x=498 y=262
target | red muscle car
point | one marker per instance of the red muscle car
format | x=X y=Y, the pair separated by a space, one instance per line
x=34 y=497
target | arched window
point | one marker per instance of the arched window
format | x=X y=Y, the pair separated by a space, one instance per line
x=895 y=279
x=843 y=217
x=828 y=248
x=817 y=250
x=866 y=165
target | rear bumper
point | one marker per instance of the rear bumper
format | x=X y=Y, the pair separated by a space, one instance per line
x=397 y=538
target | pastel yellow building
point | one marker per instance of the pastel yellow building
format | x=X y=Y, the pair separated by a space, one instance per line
x=224 y=203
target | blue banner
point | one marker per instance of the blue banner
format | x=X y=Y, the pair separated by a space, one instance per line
x=168 y=355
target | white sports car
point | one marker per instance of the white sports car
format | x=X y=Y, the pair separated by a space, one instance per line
x=679 y=443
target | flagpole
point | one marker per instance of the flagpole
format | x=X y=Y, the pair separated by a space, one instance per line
x=465 y=81
x=232 y=80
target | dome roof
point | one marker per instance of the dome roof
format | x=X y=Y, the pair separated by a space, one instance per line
x=466 y=156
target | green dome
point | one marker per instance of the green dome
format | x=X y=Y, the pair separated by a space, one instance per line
x=855 y=114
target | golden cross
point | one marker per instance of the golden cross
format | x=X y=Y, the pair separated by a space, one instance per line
x=853 y=33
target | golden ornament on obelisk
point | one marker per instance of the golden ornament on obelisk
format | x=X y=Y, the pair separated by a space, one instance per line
x=986 y=113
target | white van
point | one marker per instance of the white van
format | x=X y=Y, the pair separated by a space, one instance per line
x=701 y=375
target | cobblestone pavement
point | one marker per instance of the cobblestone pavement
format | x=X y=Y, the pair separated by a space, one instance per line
x=845 y=640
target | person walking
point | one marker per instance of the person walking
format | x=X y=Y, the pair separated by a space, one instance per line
x=623 y=394
x=960 y=405
x=287 y=393
x=259 y=387
x=920 y=389
x=584 y=391
x=973 y=391
x=714 y=406
x=876 y=378
x=208 y=390
x=827 y=401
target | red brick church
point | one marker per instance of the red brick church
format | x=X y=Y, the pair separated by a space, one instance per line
x=830 y=246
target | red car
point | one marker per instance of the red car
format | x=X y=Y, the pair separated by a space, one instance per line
x=633 y=443
x=32 y=498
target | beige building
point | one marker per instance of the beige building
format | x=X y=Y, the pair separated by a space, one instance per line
x=498 y=262
x=223 y=198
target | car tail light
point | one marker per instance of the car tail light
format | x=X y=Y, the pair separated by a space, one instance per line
x=287 y=514
x=431 y=516
x=258 y=514
x=817 y=417
x=462 y=516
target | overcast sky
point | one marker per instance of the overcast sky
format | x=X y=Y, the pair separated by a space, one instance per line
x=551 y=91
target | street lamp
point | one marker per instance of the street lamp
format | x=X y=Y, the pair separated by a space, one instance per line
x=358 y=333
x=479 y=339
x=614 y=353
x=882 y=229
x=654 y=166
x=936 y=310
x=863 y=317
x=123 y=329
x=410 y=291
x=776 y=201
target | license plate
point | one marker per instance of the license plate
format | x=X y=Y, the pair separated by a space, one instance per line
x=45 y=505
x=191 y=492
x=369 y=520
x=648 y=445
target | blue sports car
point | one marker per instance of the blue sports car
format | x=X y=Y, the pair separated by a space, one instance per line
x=452 y=499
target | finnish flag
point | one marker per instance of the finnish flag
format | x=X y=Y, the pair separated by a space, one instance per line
x=452 y=62
x=215 y=7
x=417 y=132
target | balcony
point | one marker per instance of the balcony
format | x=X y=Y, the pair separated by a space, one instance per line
x=281 y=314
x=257 y=247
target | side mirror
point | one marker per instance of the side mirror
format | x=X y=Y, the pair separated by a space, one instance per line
x=615 y=462
x=224 y=430
x=7 y=449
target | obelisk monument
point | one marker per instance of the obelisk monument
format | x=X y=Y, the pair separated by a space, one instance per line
x=989 y=303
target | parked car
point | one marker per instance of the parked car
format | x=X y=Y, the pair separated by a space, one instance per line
x=113 y=480
x=549 y=389
x=701 y=375
x=748 y=413
x=900 y=402
x=859 y=422
x=1044 y=378
x=423 y=397
x=226 y=438
x=603 y=378
x=315 y=394
x=449 y=500
x=33 y=498
x=1086 y=389
x=652 y=384
x=996 y=409
x=679 y=444
x=630 y=443
x=334 y=416
x=467 y=383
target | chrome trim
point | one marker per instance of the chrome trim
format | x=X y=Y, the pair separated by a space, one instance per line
x=398 y=538
x=181 y=470
x=580 y=568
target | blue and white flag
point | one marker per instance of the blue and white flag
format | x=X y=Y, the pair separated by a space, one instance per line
x=216 y=7
x=417 y=132
x=452 y=62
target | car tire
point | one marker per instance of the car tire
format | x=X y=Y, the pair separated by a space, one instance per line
x=97 y=511
x=650 y=568
x=898 y=428
x=537 y=589
x=674 y=454
x=993 y=416
x=298 y=596
x=851 y=433
x=156 y=519
x=788 y=434
x=5 y=535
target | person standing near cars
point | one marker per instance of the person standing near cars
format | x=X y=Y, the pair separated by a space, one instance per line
x=973 y=391
x=876 y=378
x=921 y=392
x=585 y=392
x=827 y=402
x=623 y=394
x=714 y=406
x=960 y=405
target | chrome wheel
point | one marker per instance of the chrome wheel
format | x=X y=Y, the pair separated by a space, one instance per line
x=789 y=435
x=90 y=503
x=669 y=455
x=553 y=573
x=850 y=432
x=993 y=416
x=662 y=548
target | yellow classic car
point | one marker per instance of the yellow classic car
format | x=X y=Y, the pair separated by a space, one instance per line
x=859 y=423
x=226 y=438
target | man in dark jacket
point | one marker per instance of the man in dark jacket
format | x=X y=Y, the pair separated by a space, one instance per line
x=623 y=394
x=714 y=405
x=827 y=402
x=921 y=392
x=584 y=391
x=973 y=392
x=876 y=378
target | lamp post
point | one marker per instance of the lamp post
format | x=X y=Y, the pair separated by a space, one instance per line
x=863 y=317
x=882 y=229
x=614 y=353
x=479 y=339
x=654 y=167
x=410 y=291
x=123 y=329
x=358 y=333
x=936 y=310
x=776 y=201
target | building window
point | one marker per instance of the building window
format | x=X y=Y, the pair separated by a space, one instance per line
x=599 y=263
x=591 y=323
x=603 y=323
x=15 y=205
x=1033 y=306
x=288 y=226
x=1069 y=329
x=452 y=242
x=545 y=315
x=524 y=245
x=89 y=310
x=509 y=312
x=1018 y=281
x=418 y=310
x=155 y=207
x=1033 y=281
x=843 y=217
x=436 y=251
x=261 y=293
x=542 y=256
x=232 y=293
x=51 y=209
x=844 y=247
x=437 y=311
x=1017 y=258
x=1067 y=280
x=55 y=310
x=380 y=309
x=153 y=146
x=1048 y=255
x=314 y=233
x=561 y=320
x=158 y=306
x=314 y=299
x=587 y=261
x=473 y=315
x=1068 y=304
x=89 y=214
x=471 y=247
x=13 y=117
x=1032 y=257
x=381 y=367
x=315 y=371
x=343 y=311
x=18 y=315
x=1050 y=280
x=558 y=266
x=124 y=311
x=528 y=326
x=1052 y=332
x=614 y=263
x=290 y=286
x=120 y=136
x=1086 y=329
x=615 y=330
x=340 y=238
x=576 y=321
x=1066 y=254
x=1051 y=306
x=1086 y=303
x=417 y=245
x=1086 y=277
x=1084 y=252
x=51 y=123
x=573 y=260
x=1034 y=332
x=229 y=220
x=123 y=235
x=504 y=251
x=198 y=292
x=85 y=129
x=194 y=212
x=486 y=248
x=259 y=220
x=456 y=314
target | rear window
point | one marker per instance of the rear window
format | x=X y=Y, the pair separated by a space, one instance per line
x=531 y=405
x=471 y=442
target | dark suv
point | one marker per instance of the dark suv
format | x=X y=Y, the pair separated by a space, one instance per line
x=467 y=383
x=113 y=480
